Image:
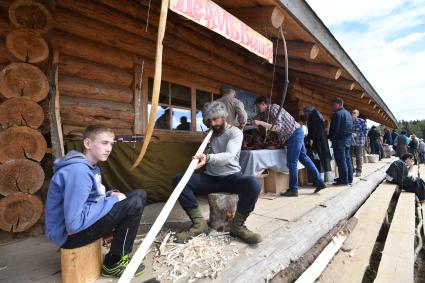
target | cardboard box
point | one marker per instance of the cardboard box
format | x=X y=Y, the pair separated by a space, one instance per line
x=276 y=182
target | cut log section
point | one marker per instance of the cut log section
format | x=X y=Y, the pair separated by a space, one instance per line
x=27 y=46
x=222 y=209
x=20 y=175
x=22 y=143
x=30 y=15
x=323 y=70
x=300 y=49
x=20 y=211
x=19 y=111
x=265 y=20
x=21 y=79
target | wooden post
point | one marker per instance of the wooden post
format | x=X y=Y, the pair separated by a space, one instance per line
x=54 y=107
x=137 y=89
x=82 y=265
x=222 y=210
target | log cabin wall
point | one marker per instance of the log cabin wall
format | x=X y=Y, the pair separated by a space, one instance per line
x=105 y=45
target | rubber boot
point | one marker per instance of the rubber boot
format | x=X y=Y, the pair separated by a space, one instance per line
x=239 y=230
x=199 y=226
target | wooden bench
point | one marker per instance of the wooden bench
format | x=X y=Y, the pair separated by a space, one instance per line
x=82 y=265
x=397 y=262
x=350 y=266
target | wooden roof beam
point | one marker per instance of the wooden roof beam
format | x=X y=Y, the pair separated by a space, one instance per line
x=339 y=83
x=322 y=70
x=298 y=49
x=265 y=20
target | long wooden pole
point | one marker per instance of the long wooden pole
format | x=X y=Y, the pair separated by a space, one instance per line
x=162 y=217
x=156 y=81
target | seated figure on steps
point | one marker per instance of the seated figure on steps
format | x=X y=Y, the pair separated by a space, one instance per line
x=222 y=174
x=401 y=172
x=79 y=211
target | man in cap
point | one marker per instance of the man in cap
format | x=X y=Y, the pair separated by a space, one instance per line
x=222 y=174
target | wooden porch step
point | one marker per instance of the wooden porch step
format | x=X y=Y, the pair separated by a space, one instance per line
x=351 y=266
x=397 y=262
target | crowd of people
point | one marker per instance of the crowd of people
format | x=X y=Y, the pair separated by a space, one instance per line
x=79 y=210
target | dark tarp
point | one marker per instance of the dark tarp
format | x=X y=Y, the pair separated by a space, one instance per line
x=161 y=162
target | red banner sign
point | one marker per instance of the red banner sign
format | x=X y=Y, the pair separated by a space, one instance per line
x=210 y=15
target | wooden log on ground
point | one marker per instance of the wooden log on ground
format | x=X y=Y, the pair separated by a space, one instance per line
x=21 y=111
x=81 y=265
x=30 y=15
x=322 y=70
x=75 y=87
x=19 y=211
x=27 y=47
x=398 y=257
x=222 y=210
x=21 y=143
x=20 y=175
x=294 y=239
x=23 y=80
x=349 y=267
x=299 y=49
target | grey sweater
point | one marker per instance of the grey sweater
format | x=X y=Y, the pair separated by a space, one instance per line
x=225 y=151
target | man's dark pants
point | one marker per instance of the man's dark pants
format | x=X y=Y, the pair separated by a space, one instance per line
x=123 y=220
x=247 y=187
x=341 y=148
x=358 y=151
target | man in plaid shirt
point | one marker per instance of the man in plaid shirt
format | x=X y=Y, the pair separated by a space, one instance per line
x=359 y=140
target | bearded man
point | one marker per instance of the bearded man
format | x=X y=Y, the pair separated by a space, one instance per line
x=222 y=175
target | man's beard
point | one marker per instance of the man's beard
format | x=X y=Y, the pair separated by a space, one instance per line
x=218 y=130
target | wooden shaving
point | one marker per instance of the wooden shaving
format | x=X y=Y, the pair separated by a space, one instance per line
x=202 y=257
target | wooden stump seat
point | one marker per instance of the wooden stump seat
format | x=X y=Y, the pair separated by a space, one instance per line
x=82 y=265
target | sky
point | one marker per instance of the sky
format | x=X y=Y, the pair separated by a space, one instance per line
x=386 y=40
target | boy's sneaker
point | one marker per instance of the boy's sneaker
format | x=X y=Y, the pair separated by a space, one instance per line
x=117 y=269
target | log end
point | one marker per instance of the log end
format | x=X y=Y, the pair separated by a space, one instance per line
x=27 y=47
x=314 y=52
x=30 y=15
x=277 y=17
x=338 y=73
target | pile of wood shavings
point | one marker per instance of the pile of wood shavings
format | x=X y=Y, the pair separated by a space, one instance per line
x=202 y=257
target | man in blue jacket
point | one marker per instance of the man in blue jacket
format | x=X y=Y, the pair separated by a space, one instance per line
x=79 y=211
x=340 y=133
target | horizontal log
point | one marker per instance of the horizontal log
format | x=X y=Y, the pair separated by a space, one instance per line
x=20 y=175
x=339 y=83
x=74 y=67
x=96 y=112
x=178 y=30
x=299 y=49
x=108 y=105
x=18 y=111
x=130 y=42
x=322 y=70
x=90 y=50
x=78 y=131
x=69 y=86
x=265 y=20
x=77 y=119
x=27 y=47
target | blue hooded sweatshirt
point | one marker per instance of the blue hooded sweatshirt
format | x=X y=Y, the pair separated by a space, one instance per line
x=76 y=197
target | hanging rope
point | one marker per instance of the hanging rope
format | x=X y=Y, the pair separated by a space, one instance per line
x=285 y=88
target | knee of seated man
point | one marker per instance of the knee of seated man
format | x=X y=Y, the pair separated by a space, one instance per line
x=141 y=194
x=253 y=185
x=177 y=178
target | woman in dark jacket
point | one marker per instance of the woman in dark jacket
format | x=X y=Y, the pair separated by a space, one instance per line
x=317 y=139
x=401 y=173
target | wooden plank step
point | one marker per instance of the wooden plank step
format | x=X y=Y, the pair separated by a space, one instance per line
x=351 y=266
x=397 y=262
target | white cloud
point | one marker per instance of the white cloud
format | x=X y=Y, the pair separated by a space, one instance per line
x=386 y=40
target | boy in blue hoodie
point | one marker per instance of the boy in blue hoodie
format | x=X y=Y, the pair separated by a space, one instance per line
x=79 y=211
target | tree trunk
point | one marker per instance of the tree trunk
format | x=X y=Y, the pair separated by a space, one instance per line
x=20 y=175
x=30 y=15
x=27 y=47
x=21 y=79
x=20 y=211
x=19 y=111
x=222 y=209
x=21 y=143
